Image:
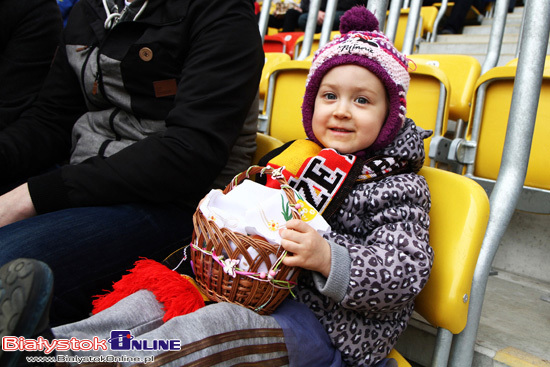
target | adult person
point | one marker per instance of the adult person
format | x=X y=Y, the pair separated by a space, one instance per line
x=296 y=18
x=142 y=113
x=29 y=34
x=457 y=18
x=341 y=8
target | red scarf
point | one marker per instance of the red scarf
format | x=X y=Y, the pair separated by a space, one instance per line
x=325 y=177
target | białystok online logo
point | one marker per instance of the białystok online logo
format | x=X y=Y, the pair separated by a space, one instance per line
x=120 y=340
x=124 y=340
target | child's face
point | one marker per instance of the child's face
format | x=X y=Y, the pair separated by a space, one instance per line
x=350 y=109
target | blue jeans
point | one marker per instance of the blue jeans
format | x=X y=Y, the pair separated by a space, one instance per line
x=90 y=248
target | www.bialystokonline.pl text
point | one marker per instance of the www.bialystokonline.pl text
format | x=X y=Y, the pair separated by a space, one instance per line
x=88 y=359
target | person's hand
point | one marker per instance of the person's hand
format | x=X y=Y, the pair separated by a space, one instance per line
x=309 y=250
x=16 y=205
x=320 y=17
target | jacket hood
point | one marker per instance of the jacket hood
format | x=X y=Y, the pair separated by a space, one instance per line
x=408 y=145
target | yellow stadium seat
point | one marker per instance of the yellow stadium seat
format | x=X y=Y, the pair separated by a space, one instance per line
x=402 y=27
x=401 y=361
x=286 y=88
x=472 y=16
x=479 y=154
x=271 y=59
x=463 y=72
x=264 y=145
x=499 y=83
x=428 y=14
x=428 y=100
x=458 y=220
x=272 y=31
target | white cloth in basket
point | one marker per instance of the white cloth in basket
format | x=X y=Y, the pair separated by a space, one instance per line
x=254 y=209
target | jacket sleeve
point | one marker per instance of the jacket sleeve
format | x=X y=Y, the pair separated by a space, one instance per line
x=41 y=137
x=392 y=263
x=216 y=89
x=30 y=32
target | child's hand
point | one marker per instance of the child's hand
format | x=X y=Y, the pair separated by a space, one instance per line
x=309 y=249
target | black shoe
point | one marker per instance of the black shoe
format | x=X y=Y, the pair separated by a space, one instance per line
x=25 y=294
x=447 y=31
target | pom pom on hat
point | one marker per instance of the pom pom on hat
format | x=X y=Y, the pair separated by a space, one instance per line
x=364 y=45
x=359 y=19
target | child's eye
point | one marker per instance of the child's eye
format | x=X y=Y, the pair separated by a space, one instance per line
x=330 y=95
x=362 y=100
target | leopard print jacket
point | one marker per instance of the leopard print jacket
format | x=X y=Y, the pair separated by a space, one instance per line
x=383 y=225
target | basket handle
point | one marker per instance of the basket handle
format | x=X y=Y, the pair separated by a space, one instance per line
x=275 y=174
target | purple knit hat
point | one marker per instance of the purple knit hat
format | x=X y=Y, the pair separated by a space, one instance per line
x=362 y=44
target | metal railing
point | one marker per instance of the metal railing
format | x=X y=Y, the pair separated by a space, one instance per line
x=515 y=158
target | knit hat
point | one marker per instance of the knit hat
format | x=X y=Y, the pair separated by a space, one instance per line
x=362 y=44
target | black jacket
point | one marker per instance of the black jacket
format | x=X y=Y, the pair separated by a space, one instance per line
x=148 y=111
x=29 y=34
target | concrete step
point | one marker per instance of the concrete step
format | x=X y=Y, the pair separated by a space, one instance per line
x=514 y=327
x=511 y=18
x=474 y=46
x=486 y=29
x=525 y=248
x=474 y=38
x=475 y=49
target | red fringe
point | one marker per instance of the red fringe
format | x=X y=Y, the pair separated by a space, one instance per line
x=178 y=295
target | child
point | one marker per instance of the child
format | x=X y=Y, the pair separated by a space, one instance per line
x=367 y=271
x=358 y=169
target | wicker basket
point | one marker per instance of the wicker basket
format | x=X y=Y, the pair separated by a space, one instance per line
x=259 y=292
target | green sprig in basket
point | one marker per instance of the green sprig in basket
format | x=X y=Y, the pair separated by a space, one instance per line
x=214 y=258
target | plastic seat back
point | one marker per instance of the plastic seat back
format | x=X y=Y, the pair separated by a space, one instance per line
x=428 y=100
x=402 y=27
x=458 y=219
x=271 y=59
x=428 y=14
x=472 y=15
x=463 y=72
x=282 y=42
x=287 y=85
x=493 y=119
x=264 y=145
